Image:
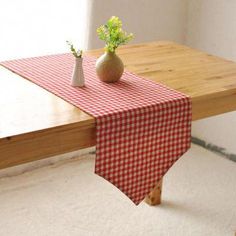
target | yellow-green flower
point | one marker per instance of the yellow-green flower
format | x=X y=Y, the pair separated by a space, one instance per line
x=113 y=34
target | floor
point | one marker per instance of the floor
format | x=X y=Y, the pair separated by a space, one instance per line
x=67 y=199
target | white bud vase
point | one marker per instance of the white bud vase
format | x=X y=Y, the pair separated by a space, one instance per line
x=77 y=79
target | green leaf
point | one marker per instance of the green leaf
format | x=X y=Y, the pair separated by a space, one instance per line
x=113 y=34
x=75 y=53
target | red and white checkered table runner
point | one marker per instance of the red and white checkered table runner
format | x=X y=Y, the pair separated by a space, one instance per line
x=142 y=127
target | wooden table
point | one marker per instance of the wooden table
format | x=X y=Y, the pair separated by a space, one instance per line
x=35 y=124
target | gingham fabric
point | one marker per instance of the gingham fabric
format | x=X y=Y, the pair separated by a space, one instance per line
x=142 y=127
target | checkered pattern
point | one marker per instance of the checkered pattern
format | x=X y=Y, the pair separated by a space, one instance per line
x=142 y=127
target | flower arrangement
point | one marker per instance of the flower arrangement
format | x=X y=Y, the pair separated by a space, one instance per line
x=77 y=79
x=113 y=34
x=76 y=53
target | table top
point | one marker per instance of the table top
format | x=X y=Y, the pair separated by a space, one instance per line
x=27 y=110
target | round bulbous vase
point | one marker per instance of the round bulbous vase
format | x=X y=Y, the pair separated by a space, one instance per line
x=109 y=67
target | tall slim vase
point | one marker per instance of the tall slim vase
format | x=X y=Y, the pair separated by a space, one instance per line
x=77 y=79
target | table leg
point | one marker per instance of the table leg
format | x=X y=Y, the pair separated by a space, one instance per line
x=154 y=197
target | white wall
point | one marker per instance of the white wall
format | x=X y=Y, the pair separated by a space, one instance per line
x=212 y=27
x=148 y=19
x=33 y=28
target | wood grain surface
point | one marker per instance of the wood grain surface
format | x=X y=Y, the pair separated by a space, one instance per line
x=35 y=124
